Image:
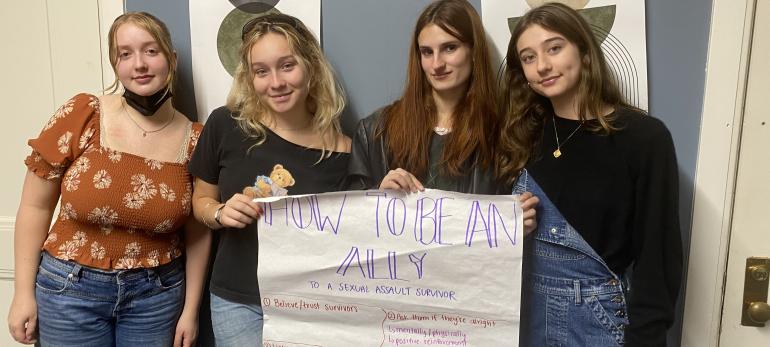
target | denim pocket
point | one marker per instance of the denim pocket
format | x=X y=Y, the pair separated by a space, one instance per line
x=610 y=312
x=50 y=282
x=556 y=252
x=170 y=279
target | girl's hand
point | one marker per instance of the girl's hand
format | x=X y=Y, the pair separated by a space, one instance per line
x=528 y=204
x=186 y=329
x=239 y=211
x=400 y=179
x=22 y=319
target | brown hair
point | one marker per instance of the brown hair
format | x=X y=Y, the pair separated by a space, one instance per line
x=525 y=111
x=325 y=98
x=408 y=122
x=159 y=32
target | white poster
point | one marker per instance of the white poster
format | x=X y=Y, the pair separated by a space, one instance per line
x=215 y=38
x=618 y=24
x=382 y=268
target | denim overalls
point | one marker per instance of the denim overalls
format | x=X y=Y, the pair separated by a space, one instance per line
x=569 y=295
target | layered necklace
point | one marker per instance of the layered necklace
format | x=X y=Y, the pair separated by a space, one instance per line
x=557 y=152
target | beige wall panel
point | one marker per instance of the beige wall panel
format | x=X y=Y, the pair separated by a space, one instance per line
x=74 y=31
x=6 y=278
x=108 y=11
x=26 y=94
x=54 y=51
x=6 y=257
x=26 y=90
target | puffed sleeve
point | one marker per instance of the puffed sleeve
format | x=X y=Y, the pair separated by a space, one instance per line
x=195 y=134
x=70 y=131
x=657 y=242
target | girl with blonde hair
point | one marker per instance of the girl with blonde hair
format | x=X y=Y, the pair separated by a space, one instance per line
x=279 y=134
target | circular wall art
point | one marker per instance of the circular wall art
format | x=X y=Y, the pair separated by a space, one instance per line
x=229 y=34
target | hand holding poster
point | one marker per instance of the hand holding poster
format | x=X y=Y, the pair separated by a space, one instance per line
x=383 y=268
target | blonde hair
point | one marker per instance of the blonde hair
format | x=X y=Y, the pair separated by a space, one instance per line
x=159 y=32
x=325 y=98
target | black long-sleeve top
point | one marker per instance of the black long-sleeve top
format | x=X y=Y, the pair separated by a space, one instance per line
x=620 y=191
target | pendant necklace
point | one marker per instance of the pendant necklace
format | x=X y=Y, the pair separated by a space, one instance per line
x=557 y=152
x=145 y=131
x=441 y=130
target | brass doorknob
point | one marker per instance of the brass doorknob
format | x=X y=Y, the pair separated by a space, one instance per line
x=759 y=312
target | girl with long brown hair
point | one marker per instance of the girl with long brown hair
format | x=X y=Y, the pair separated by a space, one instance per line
x=609 y=193
x=442 y=132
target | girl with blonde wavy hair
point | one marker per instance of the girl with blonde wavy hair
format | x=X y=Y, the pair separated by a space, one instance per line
x=279 y=134
x=324 y=97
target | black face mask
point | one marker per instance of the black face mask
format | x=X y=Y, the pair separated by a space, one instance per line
x=146 y=105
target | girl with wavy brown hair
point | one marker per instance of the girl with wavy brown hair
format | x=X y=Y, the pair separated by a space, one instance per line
x=608 y=247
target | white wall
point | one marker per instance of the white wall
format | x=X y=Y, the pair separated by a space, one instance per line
x=52 y=50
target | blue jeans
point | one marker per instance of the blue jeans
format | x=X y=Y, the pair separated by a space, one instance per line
x=570 y=297
x=235 y=324
x=82 y=306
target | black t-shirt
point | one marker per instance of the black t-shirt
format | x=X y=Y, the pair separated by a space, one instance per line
x=226 y=157
x=620 y=192
x=436 y=179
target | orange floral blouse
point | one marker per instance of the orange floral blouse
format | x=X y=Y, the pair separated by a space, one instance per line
x=117 y=210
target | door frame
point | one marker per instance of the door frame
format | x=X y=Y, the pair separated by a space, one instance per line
x=716 y=170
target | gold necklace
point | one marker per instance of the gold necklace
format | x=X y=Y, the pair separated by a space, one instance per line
x=557 y=152
x=145 y=131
